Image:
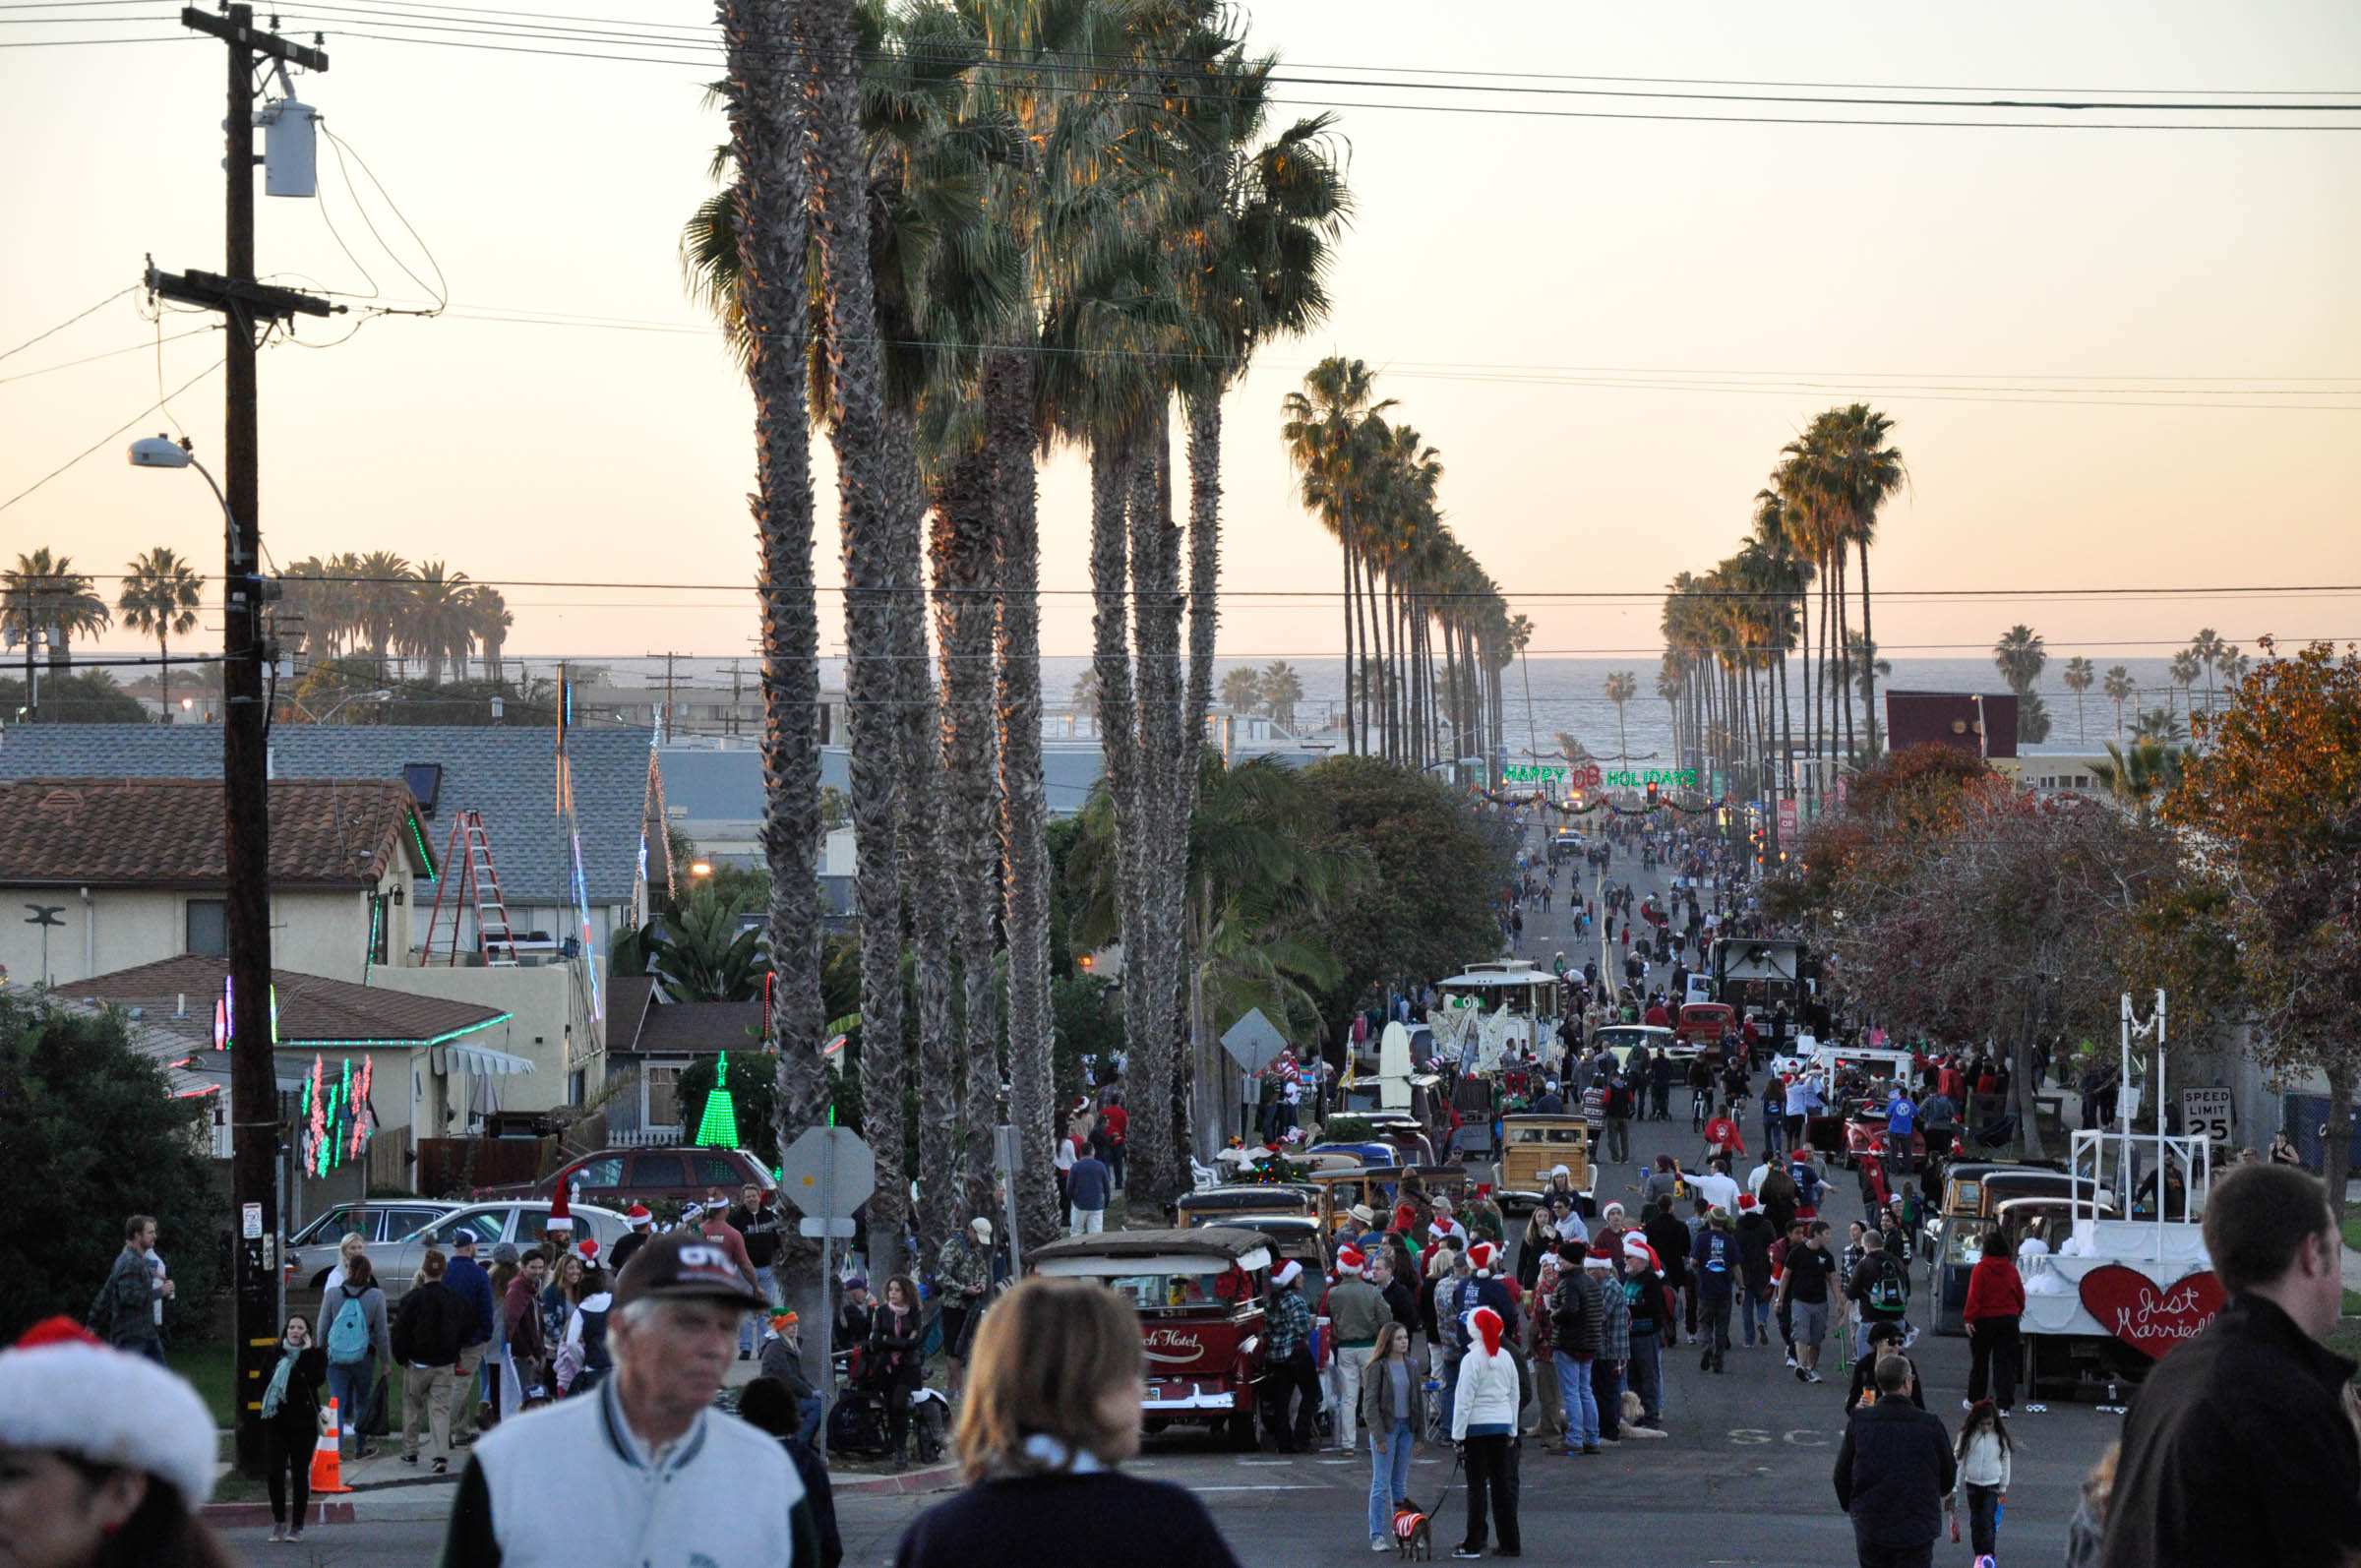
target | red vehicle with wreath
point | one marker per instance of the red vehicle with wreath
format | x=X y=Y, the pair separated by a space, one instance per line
x=1199 y=1296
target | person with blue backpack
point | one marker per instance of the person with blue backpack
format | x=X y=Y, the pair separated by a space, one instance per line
x=360 y=1346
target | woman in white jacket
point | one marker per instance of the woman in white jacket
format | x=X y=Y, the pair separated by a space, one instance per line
x=1984 y=1451
x=1483 y=1422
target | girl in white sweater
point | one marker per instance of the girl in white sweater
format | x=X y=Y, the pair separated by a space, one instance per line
x=1984 y=1450
x=1483 y=1422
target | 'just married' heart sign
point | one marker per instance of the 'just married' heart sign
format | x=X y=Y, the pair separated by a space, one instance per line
x=2150 y=1318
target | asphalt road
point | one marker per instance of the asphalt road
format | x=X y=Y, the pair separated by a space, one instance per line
x=1743 y=1476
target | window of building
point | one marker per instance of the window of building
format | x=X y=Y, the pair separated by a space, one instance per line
x=209 y=927
x=663 y=1094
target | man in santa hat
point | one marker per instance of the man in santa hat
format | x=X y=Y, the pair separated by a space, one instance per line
x=1290 y=1378
x=1356 y=1310
x=643 y=1225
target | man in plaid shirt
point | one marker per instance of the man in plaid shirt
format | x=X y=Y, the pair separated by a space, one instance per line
x=1289 y=1373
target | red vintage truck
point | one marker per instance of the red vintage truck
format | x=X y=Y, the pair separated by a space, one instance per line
x=1199 y=1296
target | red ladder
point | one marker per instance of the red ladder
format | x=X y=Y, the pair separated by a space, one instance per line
x=477 y=884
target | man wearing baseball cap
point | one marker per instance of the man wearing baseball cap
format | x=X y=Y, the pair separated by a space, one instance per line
x=644 y=1458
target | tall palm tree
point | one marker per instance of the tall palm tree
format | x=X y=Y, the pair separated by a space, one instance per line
x=2162 y=725
x=2020 y=657
x=1621 y=686
x=440 y=621
x=766 y=102
x=2186 y=668
x=42 y=594
x=381 y=601
x=493 y=622
x=1324 y=427
x=160 y=595
x=2120 y=689
x=1242 y=689
x=1282 y=689
x=2081 y=675
x=1851 y=472
x=2208 y=646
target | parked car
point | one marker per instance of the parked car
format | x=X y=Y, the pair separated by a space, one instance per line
x=524 y=1222
x=617 y=1179
x=311 y=1250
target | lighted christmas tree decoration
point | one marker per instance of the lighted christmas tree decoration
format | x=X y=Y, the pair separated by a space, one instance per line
x=719 y=1127
x=275 y=1017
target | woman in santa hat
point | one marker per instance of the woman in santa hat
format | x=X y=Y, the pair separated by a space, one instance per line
x=105 y=1458
x=1483 y=1422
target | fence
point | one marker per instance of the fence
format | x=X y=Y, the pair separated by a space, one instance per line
x=457 y=1167
x=643 y=1138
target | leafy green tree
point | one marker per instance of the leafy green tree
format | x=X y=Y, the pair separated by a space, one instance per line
x=1421 y=908
x=93 y=1136
x=90 y=698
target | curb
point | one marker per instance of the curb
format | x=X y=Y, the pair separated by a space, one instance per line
x=933 y=1479
x=237 y=1516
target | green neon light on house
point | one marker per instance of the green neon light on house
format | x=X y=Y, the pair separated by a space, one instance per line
x=418 y=837
x=396 y=1044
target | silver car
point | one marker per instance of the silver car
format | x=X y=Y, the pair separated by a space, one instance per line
x=522 y=1221
x=311 y=1250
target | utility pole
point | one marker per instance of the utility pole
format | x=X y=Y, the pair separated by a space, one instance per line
x=246 y=825
x=664 y=727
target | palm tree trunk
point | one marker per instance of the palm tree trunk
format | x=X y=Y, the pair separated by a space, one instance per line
x=765 y=101
x=962 y=547
x=1868 y=645
x=1024 y=813
x=1845 y=687
x=924 y=874
x=1112 y=463
x=871 y=533
x=1167 y=798
x=1204 y=577
x=1344 y=540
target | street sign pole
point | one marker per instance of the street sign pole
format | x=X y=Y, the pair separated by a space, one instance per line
x=828 y=1172
x=1004 y=1159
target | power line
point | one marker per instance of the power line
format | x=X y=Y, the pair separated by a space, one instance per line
x=1477 y=109
x=109 y=436
x=112 y=353
x=1647 y=596
x=70 y=320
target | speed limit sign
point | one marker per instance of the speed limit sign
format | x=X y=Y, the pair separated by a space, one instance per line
x=2205 y=1114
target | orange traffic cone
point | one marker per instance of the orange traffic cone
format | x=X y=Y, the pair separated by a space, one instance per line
x=328 y=1456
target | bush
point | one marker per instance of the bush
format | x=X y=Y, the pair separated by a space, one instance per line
x=93 y=1136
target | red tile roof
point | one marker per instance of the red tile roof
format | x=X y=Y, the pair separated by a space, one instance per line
x=311 y=1009
x=167 y=832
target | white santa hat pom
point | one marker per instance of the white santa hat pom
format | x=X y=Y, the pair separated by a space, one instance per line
x=64 y=1392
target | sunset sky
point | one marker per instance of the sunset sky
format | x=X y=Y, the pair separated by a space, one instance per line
x=2052 y=317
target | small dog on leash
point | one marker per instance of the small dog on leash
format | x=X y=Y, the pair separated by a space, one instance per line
x=1414 y=1531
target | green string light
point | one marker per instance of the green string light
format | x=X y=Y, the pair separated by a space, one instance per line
x=718 y=1128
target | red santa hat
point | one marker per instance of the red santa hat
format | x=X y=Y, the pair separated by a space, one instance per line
x=1405 y=1217
x=1480 y=1258
x=1487 y=1326
x=1349 y=1259
x=639 y=1216
x=1634 y=1247
x=587 y=1246
x=1746 y=1203
x=63 y=1392
x=561 y=1216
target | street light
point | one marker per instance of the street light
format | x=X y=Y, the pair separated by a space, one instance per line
x=700 y=867
x=381 y=696
x=163 y=451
